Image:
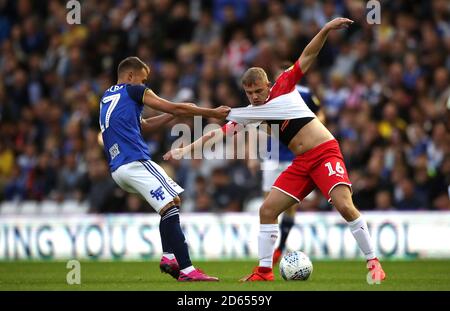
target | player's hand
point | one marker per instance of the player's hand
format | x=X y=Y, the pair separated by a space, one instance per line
x=174 y=154
x=338 y=23
x=221 y=112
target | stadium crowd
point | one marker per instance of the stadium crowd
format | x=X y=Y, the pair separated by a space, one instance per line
x=385 y=90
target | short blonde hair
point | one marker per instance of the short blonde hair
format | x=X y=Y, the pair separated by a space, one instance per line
x=253 y=75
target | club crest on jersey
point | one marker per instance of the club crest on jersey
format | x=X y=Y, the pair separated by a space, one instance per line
x=114 y=151
x=158 y=193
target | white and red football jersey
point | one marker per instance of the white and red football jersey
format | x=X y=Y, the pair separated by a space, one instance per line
x=283 y=91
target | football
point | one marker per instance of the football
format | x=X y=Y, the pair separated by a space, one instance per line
x=296 y=266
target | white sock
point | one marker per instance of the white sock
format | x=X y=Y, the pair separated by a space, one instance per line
x=169 y=256
x=359 y=229
x=267 y=238
x=188 y=270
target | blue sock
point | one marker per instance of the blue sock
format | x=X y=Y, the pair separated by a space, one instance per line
x=285 y=226
x=164 y=241
x=172 y=237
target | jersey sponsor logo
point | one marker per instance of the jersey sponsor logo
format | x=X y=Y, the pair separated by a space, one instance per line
x=114 y=151
x=158 y=193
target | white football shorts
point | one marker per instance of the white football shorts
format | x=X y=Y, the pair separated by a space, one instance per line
x=149 y=180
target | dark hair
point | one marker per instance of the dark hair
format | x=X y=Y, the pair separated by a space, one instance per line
x=131 y=63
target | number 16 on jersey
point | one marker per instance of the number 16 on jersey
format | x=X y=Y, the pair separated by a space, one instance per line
x=339 y=169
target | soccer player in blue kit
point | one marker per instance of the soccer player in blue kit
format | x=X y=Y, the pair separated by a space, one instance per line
x=130 y=164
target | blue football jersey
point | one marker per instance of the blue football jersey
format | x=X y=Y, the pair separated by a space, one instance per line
x=313 y=103
x=120 y=124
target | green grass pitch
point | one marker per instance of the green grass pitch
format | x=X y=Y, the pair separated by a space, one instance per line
x=328 y=275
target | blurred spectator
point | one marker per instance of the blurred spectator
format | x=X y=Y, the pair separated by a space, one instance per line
x=179 y=28
x=364 y=195
x=206 y=29
x=225 y=194
x=439 y=145
x=383 y=201
x=7 y=161
x=335 y=96
x=42 y=182
x=69 y=179
x=406 y=196
x=391 y=121
x=134 y=204
x=15 y=187
x=202 y=198
x=278 y=25
x=103 y=195
x=235 y=52
x=440 y=186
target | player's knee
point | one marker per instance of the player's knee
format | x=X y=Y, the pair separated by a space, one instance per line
x=341 y=197
x=267 y=214
x=346 y=208
x=165 y=208
x=177 y=201
x=344 y=205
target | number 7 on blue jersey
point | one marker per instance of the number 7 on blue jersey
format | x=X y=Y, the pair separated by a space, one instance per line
x=112 y=100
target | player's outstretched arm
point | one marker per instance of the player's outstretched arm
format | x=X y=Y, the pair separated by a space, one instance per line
x=178 y=153
x=313 y=48
x=183 y=109
x=155 y=123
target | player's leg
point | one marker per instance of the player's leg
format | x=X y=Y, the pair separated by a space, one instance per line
x=170 y=228
x=161 y=192
x=173 y=237
x=329 y=173
x=136 y=178
x=168 y=262
x=275 y=203
x=289 y=188
x=286 y=224
x=341 y=198
x=174 y=242
x=272 y=169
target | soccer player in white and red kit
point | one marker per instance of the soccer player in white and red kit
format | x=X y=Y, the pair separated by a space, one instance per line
x=318 y=160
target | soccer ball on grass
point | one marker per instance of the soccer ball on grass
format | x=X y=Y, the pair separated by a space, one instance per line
x=296 y=266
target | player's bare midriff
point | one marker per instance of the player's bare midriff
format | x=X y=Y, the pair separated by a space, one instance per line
x=311 y=135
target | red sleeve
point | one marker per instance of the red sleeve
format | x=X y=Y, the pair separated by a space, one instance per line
x=229 y=127
x=286 y=82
